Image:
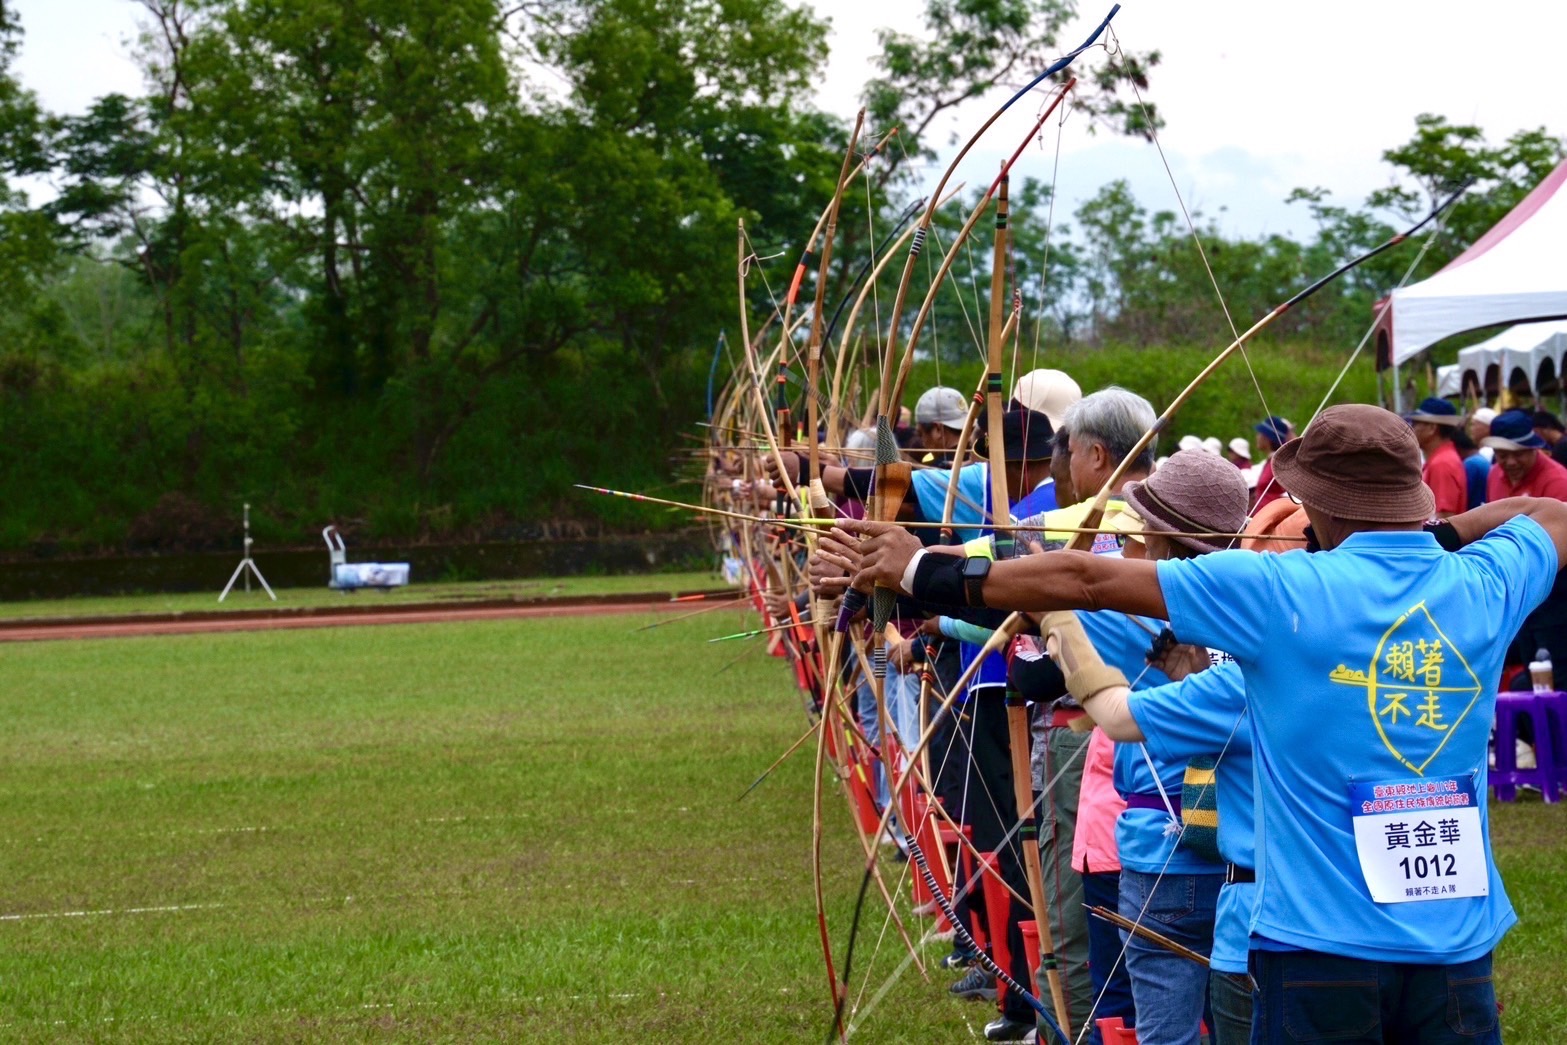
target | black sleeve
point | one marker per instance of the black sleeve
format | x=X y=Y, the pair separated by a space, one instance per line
x=857 y=483
x=1037 y=679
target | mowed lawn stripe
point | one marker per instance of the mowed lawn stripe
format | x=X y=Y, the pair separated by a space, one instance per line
x=503 y=829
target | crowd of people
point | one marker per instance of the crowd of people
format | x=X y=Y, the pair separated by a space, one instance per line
x=1251 y=456
x=1259 y=689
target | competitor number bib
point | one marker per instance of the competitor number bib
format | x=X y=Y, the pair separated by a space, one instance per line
x=1420 y=839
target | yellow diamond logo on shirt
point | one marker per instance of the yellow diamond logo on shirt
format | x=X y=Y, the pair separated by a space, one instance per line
x=1418 y=688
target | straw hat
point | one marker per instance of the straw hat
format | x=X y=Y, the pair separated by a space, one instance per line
x=1125 y=522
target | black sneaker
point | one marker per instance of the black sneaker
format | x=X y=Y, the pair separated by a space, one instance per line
x=977 y=984
x=1004 y=1028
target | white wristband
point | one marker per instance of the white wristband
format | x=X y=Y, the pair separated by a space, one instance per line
x=907 y=581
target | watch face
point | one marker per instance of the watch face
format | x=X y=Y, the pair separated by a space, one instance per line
x=976 y=567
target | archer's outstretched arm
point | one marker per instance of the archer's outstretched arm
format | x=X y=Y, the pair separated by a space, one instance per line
x=1068 y=580
x=1033 y=583
x=1550 y=513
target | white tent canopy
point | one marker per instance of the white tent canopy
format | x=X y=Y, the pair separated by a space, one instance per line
x=1516 y=271
x=1536 y=351
x=1448 y=382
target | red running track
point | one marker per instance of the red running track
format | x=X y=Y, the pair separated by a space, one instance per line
x=319 y=617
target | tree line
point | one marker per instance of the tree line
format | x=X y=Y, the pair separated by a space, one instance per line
x=419 y=265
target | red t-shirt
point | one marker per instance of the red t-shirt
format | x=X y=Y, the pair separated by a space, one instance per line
x=1444 y=474
x=1545 y=479
x=1267 y=489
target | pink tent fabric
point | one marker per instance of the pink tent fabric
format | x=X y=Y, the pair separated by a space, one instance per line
x=1517 y=271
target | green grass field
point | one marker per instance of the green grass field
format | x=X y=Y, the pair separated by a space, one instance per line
x=514 y=830
x=321 y=596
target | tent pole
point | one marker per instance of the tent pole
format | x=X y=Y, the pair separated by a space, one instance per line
x=1398 y=393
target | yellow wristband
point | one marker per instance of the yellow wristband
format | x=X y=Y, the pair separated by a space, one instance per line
x=980 y=548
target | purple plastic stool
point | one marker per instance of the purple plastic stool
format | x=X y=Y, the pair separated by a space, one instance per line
x=1546 y=712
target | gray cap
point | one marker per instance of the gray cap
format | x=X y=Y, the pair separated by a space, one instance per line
x=941 y=406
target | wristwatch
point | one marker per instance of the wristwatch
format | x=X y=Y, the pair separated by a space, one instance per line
x=975 y=569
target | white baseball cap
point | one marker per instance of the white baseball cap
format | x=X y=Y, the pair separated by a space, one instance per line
x=1485 y=415
x=1189 y=442
x=1213 y=446
x=1240 y=448
x=1050 y=392
x=941 y=406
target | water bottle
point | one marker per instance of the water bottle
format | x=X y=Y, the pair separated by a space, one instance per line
x=1540 y=672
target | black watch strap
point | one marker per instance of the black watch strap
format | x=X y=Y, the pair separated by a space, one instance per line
x=975 y=570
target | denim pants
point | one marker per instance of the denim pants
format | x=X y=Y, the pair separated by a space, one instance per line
x=1112 y=987
x=1229 y=999
x=1171 y=992
x=870 y=724
x=1310 y=996
x=903 y=707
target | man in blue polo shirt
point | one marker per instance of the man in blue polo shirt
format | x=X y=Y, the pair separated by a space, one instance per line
x=1370 y=673
x=1202 y=714
x=1162 y=880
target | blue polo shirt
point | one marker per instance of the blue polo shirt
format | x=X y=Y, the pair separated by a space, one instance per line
x=1205 y=715
x=1477 y=472
x=1042 y=499
x=1140 y=834
x=971 y=508
x=1374 y=662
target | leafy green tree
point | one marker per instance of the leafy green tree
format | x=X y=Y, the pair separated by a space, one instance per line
x=971 y=47
x=28 y=246
x=1441 y=156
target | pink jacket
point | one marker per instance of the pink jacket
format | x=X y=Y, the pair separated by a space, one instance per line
x=1098 y=808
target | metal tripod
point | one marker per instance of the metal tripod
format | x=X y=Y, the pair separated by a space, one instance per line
x=247 y=563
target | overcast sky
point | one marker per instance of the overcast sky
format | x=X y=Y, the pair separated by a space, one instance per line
x=1258 y=97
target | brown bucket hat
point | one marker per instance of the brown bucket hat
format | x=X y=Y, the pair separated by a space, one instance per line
x=1193 y=492
x=1357 y=462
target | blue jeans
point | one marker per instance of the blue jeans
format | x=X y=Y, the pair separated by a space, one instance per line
x=1229 y=999
x=1310 y=996
x=1112 y=987
x=870 y=725
x=1171 y=992
x=903 y=707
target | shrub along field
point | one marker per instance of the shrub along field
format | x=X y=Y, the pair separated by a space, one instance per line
x=500 y=830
